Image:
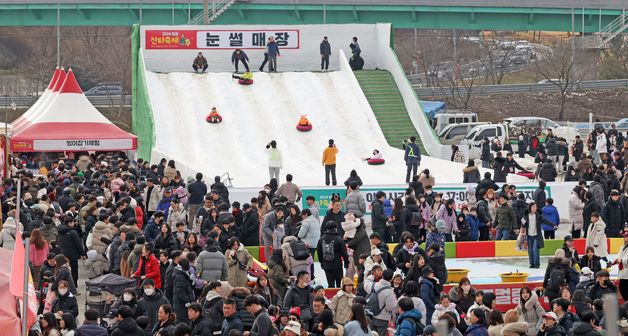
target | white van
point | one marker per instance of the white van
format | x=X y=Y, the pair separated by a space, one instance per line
x=454 y=133
x=440 y=121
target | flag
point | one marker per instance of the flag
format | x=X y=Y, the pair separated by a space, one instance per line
x=17 y=267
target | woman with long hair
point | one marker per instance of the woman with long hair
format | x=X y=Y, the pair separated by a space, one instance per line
x=191 y=242
x=463 y=295
x=165 y=241
x=495 y=322
x=447 y=213
x=166 y=319
x=210 y=221
x=264 y=288
x=293 y=220
x=263 y=203
x=48 y=324
x=590 y=260
x=529 y=309
x=357 y=325
x=477 y=320
x=67 y=324
x=62 y=272
x=412 y=210
x=239 y=260
x=278 y=272
x=415 y=272
x=38 y=253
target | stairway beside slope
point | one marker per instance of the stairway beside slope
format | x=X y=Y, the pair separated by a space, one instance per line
x=382 y=93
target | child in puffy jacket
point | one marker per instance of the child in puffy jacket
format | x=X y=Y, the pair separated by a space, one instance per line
x=444 y=306
x=350 y=225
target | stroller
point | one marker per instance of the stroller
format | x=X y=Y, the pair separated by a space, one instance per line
x=100 y=288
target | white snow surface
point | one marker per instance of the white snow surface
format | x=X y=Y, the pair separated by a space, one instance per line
x=269 y=110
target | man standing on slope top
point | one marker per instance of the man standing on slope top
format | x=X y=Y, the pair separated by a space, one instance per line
x=329 y=161
x=412 y=156
x=273 y=52
x=325 y=53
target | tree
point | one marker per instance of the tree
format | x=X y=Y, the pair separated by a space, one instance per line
x=496 y=58
x=459 y=87
x=558 y=67
x=614 y=61
x=430 y=52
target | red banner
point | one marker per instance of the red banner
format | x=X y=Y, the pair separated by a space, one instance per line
x=220 y=39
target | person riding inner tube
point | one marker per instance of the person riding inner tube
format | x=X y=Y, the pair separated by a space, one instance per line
x=245 y=79
x=376 y=159
x=214 y=117
x=304 y=124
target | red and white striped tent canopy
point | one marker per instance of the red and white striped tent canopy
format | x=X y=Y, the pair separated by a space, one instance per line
x=63 y=119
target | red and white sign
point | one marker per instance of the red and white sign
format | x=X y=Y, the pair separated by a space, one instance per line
x=220 y=39
x=507 y=294
x=82 y=145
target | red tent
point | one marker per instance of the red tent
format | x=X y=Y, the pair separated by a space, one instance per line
x=68 y=122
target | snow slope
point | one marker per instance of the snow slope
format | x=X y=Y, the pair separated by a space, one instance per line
x=269 y=110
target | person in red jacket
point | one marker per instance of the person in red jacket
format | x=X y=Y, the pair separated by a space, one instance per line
x=148 y=267
x=139 y=215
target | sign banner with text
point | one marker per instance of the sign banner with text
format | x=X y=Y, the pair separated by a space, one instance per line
x=457 y=193
x=221 y=39
x=82 y=144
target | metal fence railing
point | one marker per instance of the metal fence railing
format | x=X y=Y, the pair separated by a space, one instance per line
x=521 y=88
x=27 y=101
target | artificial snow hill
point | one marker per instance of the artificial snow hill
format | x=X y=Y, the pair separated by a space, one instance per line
x=269 y=110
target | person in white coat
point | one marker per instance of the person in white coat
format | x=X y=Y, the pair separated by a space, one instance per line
x=576 y=205
x=274 y=160
x=622 y=261
x=600 y=146
x=596 y=237
x=9 y=231
x=310 y=233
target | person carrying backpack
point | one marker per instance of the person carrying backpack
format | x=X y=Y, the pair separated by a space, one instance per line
x=332 y=252
x=409 y=319
x=380 y=301
x=556 y=274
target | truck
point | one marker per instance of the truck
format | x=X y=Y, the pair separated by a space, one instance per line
x=452 y=134
x=441 y=120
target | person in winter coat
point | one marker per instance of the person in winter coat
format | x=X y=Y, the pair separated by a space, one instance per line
x=355 y=202
x=447 y=213
x=150 y=302
x=529 y=309
x=444 y=305
x=622 y=261
x=300 y=296
x=436 y=260
x=590 y=207
x=512 y=324
x=71 y=245
x=332 y=252
x=586 y=326
x=238 y=56
x=239 y=261
x=183 y=289
x=249 y=229
x=198 y=323
x=547 y=171
x=590 y=261
x=550 y=326
x=477 y=326
x=379 y=282
x=378 y=218
x=471 y=173
x=560 y=307
x=602 y=286
x=429 y=291
x=576 y=206
x=271 y=220
x=412 y=157
x=325 y=50
x=293 y=265
x=151 y=230
x=614 y=215
x=408 y=319
x=65 y=301
x=505 y=218
x=532 y=228
x=500 y=171
x=176 y=214
x=596 y=236
x=126 y=325
x=148 y=267
x=406 y=253
x=165 y=241
x=212 y=264
x=550 y=212
x=341 y=302
x=200 y=63
x=557 y=274
x=10 y=228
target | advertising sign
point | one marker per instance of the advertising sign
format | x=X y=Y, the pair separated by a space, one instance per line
x=221 y=39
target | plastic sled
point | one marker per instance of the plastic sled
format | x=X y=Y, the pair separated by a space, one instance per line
x=304 y=128
x=376 y=162
x=245 y=81
x=527 y=174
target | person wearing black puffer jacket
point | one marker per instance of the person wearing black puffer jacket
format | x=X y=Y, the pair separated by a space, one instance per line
x=378 y=218
x=547 y=171
x=183 y=290
x=614 y=215
x=330 y=249
x=71 y=245
x=249 y=229
x=500 y=171
x=126 y=325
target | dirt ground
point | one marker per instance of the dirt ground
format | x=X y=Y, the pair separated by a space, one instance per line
x=606 y=105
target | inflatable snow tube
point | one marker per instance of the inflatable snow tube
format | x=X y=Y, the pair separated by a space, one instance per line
x=304 y=128
x=527 y=174
x=245 y=81
x=214 y=120
x=376 y=162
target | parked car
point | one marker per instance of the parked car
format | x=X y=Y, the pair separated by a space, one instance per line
x=441 y=120
x=105 y=89
x=454 y=133
x=622 y=125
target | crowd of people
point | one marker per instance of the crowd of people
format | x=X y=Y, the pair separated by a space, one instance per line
x=184 y=245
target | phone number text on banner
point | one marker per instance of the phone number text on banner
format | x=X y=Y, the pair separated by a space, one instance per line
x=220 y=39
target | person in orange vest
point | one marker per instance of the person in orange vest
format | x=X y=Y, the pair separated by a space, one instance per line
x=329 y=161
x=303 y=121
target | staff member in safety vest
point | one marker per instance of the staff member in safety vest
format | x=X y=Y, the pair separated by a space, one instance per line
x=412 y=156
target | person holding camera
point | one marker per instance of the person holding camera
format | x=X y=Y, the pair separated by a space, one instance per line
x=239 y=261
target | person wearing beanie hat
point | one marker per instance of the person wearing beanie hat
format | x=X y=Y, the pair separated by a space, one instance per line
x=329 y=162
x=332 y=252
x=341 y=302
x=429 y=291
